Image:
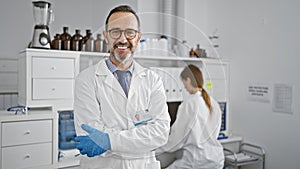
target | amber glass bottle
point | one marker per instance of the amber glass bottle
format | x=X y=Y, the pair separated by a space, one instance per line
x=105 y=47
x=192 y=53
x=98 y=44
x=56 y=42
x=76 y=41
x=88 y=41
x=65 y=38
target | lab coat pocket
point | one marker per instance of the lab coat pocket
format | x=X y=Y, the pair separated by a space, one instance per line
x=153 y=165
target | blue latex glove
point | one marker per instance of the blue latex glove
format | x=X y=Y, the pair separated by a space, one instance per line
x=96 y=143
x=100 y=138
x=87 y=146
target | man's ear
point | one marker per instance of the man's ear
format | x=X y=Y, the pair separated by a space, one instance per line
x=139 y=38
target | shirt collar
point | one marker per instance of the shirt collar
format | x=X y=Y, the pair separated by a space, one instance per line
x=113 y=68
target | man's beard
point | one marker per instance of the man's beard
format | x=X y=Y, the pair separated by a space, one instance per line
x=122 y=60
x=118 y=58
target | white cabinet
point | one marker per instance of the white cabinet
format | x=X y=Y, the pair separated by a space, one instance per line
x=26 y=140
x=46 y=77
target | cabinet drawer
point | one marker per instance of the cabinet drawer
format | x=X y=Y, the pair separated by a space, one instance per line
x=26 y=156
x=26 y=132
x=52 y=89
x=52 y=67
x=8 y=65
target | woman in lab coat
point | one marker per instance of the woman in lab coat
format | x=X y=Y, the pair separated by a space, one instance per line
x=193 y=136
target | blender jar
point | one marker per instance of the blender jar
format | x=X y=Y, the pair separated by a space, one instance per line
x=42 y=12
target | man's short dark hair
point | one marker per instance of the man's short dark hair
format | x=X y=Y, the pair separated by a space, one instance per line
x=122 y=8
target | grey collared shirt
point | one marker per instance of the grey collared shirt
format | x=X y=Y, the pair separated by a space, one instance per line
x=113 y=70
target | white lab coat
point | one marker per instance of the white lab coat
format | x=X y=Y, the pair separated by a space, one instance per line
x=101 y=103
x=195 y=132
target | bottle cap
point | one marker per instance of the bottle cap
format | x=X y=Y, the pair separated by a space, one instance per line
x=163 y=37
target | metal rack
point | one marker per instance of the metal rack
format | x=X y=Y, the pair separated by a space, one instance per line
x=248 y=154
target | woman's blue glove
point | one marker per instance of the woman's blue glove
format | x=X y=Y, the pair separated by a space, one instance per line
x=87 y=146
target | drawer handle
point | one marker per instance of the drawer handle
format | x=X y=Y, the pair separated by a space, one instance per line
x=53 y=89
x=53 y=68
x=27 y=156
x=27 y=132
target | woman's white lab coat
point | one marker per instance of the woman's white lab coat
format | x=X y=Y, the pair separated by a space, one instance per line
x=195 y=132
x=101 y=103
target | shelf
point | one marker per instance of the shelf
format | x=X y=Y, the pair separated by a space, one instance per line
x=171 y=58
x=101 y=54
x=231 y=139
x=66 y=51
x=69 y=158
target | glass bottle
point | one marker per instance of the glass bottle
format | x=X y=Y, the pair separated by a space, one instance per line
x=84 y=39
x=105 y=47
x=65 y=38
x=198 y=51
x=56 y=42
x=192 y=53
x=76 y=41
x=88 y=41
x=98 y=44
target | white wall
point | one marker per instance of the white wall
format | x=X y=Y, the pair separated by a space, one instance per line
x=16 y=18
x=148 y=12
x=260 y=38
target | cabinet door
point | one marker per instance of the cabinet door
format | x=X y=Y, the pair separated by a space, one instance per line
x=26 y=132
x=27 y=156
x=52 y=67
x=52 y=89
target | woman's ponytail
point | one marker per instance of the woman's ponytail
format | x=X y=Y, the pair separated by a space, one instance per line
x=206 y=99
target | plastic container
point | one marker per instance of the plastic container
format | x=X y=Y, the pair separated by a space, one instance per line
x=142 y=48
x=66 y=130
x=163 y=45
x=183 y=49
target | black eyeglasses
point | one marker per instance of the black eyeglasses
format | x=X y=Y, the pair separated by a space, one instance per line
x=129 y=33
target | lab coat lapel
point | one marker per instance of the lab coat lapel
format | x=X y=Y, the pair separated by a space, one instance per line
x=108 y=78
x=133 y=95
x=137 y=76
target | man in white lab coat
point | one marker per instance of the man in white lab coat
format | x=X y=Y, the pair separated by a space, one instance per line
x=120 y=108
